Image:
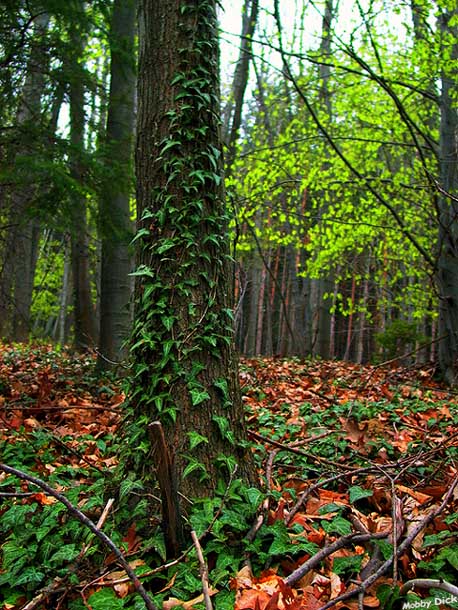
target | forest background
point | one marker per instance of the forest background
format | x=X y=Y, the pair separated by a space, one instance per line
x=339 y=121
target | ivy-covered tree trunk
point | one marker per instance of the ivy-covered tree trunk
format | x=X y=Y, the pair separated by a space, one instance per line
x=115 y=224
x=185 y=371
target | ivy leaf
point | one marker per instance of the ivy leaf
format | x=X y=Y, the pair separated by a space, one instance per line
x=166 y=245
x=105 y=599
x=195 y=466
x=254 y=496
x=29 y=575
x=357 y=493
x=168 y=321
x=338 y=525
x=282 y=542
x=198 y=396
x=347 y=564
x=196 y=439
x=170 y=144
x=140 y=234
x=143 y=270
x=223 y=425
x=221 y=384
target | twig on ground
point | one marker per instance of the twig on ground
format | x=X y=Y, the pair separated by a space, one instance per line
x=57 y=583
x=303 y=497
x=316 y=559
x=173 y=562
x=89 y=524
x=203 y=571
x=428 y=583
x=401 y=548
x=293 y=449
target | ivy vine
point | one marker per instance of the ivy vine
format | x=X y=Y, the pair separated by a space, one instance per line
x=183 y=237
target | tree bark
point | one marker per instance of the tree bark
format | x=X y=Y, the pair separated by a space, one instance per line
x=116 y=230
x=234 y=106
x=447 y=274
x=19 y=257
x=184 y=366
x=84 y=318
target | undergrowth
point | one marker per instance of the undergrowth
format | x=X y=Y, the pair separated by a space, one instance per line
x=336 y=456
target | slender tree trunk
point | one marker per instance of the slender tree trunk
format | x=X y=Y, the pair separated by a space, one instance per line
x=24 y=273
x=447 y=275
x=333 y=322
x=321 y=329
x=350 y=321
x=84 y=318
x=233 y=120
x=116 y=230
x=19 y=260
x=362 y=316
x=261 y=311
x=59 y=331
x=254 y=286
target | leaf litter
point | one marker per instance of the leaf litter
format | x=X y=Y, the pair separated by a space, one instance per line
x=358 y=466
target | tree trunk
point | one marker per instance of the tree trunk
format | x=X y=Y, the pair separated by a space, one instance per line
x=184 y=368
x=84 y=319
x=447 y=274
x=19 y=260
x=321 y=321
x=234 y=107
x=115 y=226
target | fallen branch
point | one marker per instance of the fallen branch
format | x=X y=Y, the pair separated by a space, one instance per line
x=293 y=449
x=56 y=584
x=362 y=587
x=81 y=517
x=203 y=571
x=316 y=559
x=428 y=583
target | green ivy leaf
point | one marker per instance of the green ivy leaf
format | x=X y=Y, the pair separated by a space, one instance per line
x=67 y=552
x=198 y=396
x=338 y=525
x=221 y=384
x=29 y=575
x=166 y=244
x=357 y=493
x=168 y=322
x=195 y=466
x=352 y=563
x=196 y=439
x=254 y=496
x=105 y=599
x=223 y=426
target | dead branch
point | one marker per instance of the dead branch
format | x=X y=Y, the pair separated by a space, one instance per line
x=428 y=583
x=203 y=571
x=401 y=548
x=81 y=517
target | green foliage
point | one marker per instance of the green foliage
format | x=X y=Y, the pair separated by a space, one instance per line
x=41 y=541
x=399 y=337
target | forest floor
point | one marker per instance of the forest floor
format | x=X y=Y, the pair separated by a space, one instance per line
x=357 y=506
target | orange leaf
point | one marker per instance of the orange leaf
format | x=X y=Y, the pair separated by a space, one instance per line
x=43 y=499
